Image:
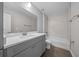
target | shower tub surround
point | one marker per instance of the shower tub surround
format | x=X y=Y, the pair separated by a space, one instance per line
x=31 y=44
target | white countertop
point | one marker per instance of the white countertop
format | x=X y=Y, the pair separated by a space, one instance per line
x=11 y=41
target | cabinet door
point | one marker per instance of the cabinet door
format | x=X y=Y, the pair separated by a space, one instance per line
x=30 y=52
x=34 y=51
x=37 y=49
x=1 y=25
x=11 y=51
x=25 y=53
x=43 y=45
x=1 y=53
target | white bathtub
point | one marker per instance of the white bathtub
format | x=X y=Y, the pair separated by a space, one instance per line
x=58 y=42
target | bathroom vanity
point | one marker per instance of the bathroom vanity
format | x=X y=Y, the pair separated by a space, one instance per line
x=29 y=46
x=17 y=22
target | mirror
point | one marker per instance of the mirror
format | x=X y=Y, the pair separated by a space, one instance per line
x=17 y=19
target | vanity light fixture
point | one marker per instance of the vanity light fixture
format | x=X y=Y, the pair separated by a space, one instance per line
x=28 y=4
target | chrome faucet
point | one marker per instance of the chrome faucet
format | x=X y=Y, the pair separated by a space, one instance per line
x=24 y=33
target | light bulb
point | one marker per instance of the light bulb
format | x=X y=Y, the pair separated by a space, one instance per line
x=29 y=5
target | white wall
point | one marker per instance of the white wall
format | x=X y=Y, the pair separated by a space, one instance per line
x=75 y=28
x=58 y=27
x=45 y=23
x=6 y=23
x=68 y=26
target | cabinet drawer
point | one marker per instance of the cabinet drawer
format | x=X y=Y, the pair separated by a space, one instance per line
x=11 y=51
x=1 y=53
x=33 y=51
x=25 y=53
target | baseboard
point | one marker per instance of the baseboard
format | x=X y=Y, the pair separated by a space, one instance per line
x=73 y=55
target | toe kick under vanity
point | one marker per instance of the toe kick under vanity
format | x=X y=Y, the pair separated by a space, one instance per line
x=25 y=46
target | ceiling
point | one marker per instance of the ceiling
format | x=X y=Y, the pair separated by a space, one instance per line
x=16 y=6
x=53 y=8
x=50 y=8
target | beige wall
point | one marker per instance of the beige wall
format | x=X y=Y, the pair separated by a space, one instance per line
x=57 y=26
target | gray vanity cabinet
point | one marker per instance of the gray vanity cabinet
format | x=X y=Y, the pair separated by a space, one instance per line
x=43 y=44
x=31 y=48
x=33 y=51
x=1 y=53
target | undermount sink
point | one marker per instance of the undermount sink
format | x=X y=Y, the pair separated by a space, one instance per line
x=28 y=35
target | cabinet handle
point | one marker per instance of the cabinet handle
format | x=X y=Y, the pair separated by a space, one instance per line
x=2 y=48
x=34 y=46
